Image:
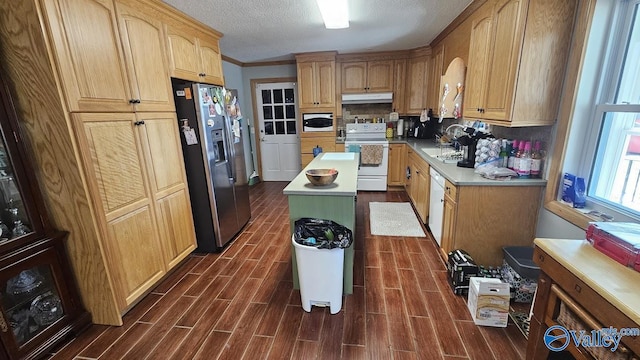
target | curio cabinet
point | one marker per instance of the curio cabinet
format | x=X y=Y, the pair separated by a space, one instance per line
x=39 y=303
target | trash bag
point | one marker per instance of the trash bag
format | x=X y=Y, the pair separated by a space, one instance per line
x=322 y=234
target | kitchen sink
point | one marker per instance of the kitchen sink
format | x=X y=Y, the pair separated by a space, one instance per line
x=446 y=155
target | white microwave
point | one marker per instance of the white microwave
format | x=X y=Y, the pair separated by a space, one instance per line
x=317 y=122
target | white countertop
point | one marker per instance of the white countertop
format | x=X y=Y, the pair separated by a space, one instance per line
x=459 y=175
x=346 y=184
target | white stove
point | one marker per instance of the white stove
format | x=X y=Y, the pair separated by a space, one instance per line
x=370 y=177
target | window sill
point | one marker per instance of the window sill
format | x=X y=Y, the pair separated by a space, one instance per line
x=569 y=214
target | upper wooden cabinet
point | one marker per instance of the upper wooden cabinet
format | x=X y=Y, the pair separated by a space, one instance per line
x=517 y=58
x=192 y=56
x=367 y=76
x=317 y=80
x=143 y=42
x=437 y=70
x=417 y=80
x=96 y=75
x=91 y=65
x=399 y=78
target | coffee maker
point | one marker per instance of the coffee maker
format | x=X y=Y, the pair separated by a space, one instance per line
x=469 y=141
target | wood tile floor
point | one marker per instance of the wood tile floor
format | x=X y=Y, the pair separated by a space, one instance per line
x=241 y=304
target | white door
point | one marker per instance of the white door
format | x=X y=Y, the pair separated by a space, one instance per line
x=279 y=133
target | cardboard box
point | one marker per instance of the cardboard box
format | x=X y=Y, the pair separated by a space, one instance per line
x=488 y=301
x=460 y=267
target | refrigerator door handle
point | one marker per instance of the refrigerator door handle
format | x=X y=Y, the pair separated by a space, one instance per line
x=228 y=134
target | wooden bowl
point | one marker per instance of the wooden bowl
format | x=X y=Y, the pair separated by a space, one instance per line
x=320 y=177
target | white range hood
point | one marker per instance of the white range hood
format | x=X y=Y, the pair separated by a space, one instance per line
x=367 y=98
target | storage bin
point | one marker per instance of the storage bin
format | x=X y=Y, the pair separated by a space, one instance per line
x=320 y=272
x=520 y=258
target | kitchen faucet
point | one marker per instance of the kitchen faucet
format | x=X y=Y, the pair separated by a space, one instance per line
x=455 y=125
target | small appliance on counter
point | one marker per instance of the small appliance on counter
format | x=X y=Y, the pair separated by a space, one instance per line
x=420 y=129
x=469 y=141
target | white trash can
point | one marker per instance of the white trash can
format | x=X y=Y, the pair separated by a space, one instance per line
x=320 y=274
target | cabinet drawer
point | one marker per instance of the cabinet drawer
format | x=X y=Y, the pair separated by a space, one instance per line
x=574 y=317
x=450 y=190
x=328 y=144
x=306 y=159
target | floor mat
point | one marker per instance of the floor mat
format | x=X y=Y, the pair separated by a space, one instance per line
x=394 y=219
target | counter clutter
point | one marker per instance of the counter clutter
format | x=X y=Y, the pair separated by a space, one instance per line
x=457 y=175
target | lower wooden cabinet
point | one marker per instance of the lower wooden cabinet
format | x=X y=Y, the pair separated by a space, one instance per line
x=448 y=219
x=418 y=184
x=483 y=219
x=397 y=165
x=307 y=144
x=135 y=169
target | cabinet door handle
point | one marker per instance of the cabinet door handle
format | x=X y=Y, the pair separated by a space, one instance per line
x=132 y=101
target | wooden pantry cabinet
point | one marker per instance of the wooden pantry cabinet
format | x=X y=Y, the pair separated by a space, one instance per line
x=367 y=76
x=110 y=169
x=509 y=82
x=134 y=164
x=193 y=56
x=317 y=81
x=483 y=219
x=96 y=75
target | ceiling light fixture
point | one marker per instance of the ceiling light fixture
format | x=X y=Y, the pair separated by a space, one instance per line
x=335 y=13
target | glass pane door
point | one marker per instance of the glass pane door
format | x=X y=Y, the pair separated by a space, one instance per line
x=14 y=221
x=30 y=303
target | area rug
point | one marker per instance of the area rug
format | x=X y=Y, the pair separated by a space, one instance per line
x=394 y=219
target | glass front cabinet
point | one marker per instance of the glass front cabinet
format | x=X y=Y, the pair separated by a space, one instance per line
x=39 y=301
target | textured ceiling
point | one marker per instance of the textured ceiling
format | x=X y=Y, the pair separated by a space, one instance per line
x=269 y=30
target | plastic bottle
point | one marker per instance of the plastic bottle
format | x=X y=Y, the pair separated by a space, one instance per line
x=512 y=154
x=524 y=165
x=536 y=160
x=504 y=153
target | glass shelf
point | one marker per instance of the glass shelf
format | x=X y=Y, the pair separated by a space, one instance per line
x=31 y=303
x=14 y=220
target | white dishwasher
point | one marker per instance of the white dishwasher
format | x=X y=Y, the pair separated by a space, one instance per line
x=436 y=204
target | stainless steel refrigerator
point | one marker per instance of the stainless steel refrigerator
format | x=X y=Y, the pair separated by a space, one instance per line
x=209 y=119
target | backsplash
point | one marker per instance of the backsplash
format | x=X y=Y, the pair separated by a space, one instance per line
x=364 y=111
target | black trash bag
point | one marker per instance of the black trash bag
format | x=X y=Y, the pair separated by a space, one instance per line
x=322 y=234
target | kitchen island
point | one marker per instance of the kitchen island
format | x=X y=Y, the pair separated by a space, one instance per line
x=331 y=202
